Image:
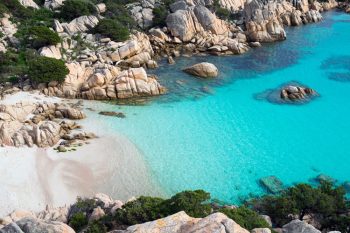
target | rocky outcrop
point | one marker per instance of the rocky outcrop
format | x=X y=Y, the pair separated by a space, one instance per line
x=185 y=24
x=7 y=31
x=53 y=4
x=29 y=3
x=34 y=225
x=297 y=226
x=181 y=222
x=295 y=93
x=51 y=51
x=105 y=82
x=81 y=24
x=26 y=124
x=265 y=20
x=142 y=12
x=204 y=70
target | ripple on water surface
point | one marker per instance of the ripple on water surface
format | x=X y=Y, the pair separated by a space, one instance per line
x=214 y=135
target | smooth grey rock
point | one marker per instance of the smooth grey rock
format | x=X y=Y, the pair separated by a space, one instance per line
x=297 y=226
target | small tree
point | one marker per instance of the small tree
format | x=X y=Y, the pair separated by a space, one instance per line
x=113 y=29
x=75 y=8
x=40 y=36
x=45 y=69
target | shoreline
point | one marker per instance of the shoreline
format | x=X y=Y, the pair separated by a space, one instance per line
x=109 y=164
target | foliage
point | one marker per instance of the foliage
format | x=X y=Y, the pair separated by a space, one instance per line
x=194 y=203
x=72 y=9
x=112 y=29
x=3 y=9
x=40 y=36
x=78 y=221
x=160 y=13
x=45 y=69
x=326 y=201
x=221 y=12
x=245 y=217
x=17 y=9
x=96 y=227
x=117 y=11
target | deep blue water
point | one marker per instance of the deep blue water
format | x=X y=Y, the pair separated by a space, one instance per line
x=218 y=136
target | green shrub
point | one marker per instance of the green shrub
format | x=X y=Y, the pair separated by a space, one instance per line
x=3 y=9
x=112 y=29
x=78 y=221
x=245 y=217
x=40 y=36
x=194 y=203
x=160 y=14
x=117 y=11
x=140 y=210
x=75 y=8
x=326 y=201
x=16 y=9
x=44 y=70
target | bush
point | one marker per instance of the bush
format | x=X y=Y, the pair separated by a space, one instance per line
x=160 y=14
x=3 y=9
x=44 y=70
x=17 y=9
x=194 y=203
x=141 y=210
x=245 y=217
x=78 y=221
x=326 y=201
x=40 y=36
x=75 y=8
x=112 y=29
x=117 y=11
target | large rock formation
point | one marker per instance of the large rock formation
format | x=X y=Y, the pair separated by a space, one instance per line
x=142 y=12
x=297 y=226
x=27 y=124
x=7 y=31
x=181 y=223
x=265 y=20
x=81 y=24
x=29 y=3
x=34 y=225
x=204 y=70
x=53 y=4
x=106 y=82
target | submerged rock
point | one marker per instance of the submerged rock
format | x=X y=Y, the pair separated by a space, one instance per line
x=272 y=184
x=295 y=93
x=204 y=70
x=111 y=113
x=324 y=178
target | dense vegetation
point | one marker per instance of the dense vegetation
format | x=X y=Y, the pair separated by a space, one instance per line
x=326 y=202
x=112 y=29
x=72 y=9
x=45 y=69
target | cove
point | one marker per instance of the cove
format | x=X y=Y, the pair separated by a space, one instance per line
x=217 y=135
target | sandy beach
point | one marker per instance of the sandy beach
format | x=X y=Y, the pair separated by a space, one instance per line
x=31 y=178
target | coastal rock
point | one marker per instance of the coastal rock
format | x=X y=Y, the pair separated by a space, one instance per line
x=51 y=51
x=33 y=225
x=297 y=226
x=295 y=93
x=272 y=184
x=260 y=230
x=204 y=70
x=53 y=4
x=81 y=24
x=181 y=222
x=115 y=114
x=96 y=214
x=59 y=214
x=142 y=12
x=29 y=3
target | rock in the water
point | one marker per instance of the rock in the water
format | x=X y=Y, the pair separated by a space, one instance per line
x=324 y=178
x=204 y=70
x=272 y=184
x=346 y=185
x=297 y=226
x=111 y=113
x=295 y=93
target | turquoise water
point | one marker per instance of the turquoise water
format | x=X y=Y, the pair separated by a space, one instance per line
x=216 y=135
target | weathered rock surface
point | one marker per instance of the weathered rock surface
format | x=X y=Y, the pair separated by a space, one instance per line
x=7 y=30
x=142 y=12
x=81 y=24
x=29 y=3
x=297 y=226
x=53 y=4
x=51 y=51
x=260 y=230
x=182 y=223
x=204 y=70
x=34 y=225
x=27 y=124
x=294 y=93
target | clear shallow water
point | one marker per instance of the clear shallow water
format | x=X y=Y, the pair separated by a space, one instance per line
x=225 y=141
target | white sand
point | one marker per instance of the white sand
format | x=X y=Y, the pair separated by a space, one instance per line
x=34 y=177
